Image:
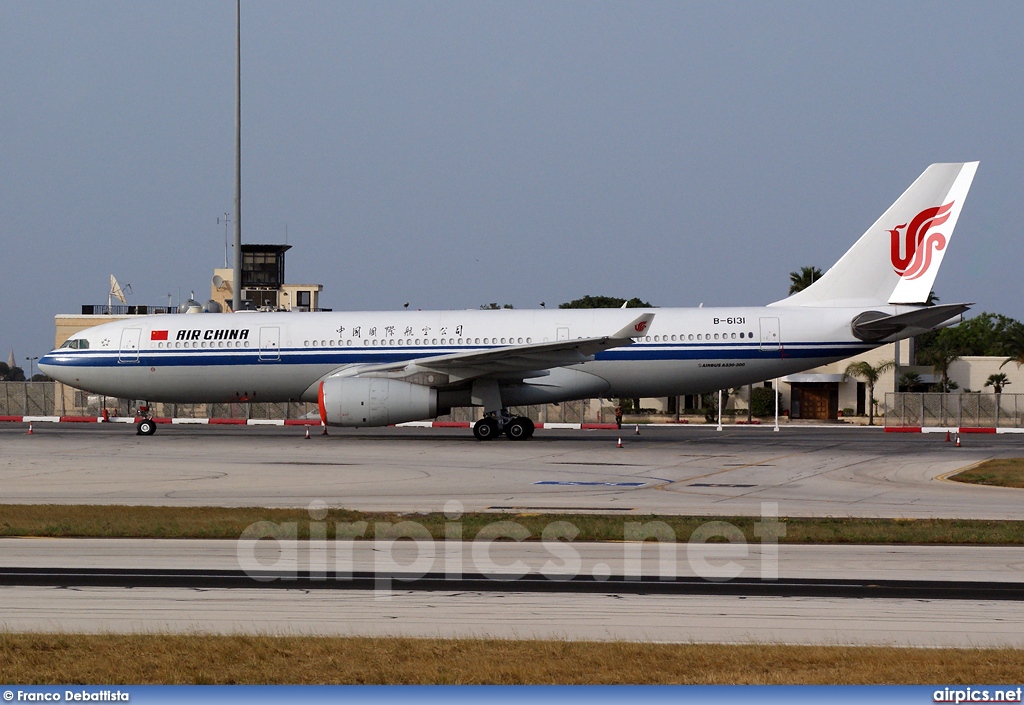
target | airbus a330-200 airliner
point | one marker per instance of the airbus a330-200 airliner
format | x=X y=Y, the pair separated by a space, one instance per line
x=386 y=367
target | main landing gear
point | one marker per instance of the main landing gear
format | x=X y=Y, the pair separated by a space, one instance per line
x=146 y=425
x=517 y=428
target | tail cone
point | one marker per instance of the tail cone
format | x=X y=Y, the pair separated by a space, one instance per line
x=637 y=429
x=619 y=444
x=948 y=439
x=957 y=440
x=307 y=433
x=324 y=432
x=30 y=431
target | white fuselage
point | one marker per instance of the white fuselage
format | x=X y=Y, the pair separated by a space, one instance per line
x=276 y=357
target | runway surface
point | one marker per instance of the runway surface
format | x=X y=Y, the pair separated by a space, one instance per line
x=685 y=470
x=651 y=618
x=842 y=562
x=398 y=611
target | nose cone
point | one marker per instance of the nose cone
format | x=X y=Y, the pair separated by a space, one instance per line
x=53 y=367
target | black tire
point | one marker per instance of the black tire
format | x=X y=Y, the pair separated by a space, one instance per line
x=519 y=429
x=146 y=427
x=530 y=428
x=485 y=429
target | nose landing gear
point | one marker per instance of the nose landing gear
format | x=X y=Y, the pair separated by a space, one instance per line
x=146 y=425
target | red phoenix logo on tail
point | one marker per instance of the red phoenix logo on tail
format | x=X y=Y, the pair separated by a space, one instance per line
x=917 y=243
x=640 y=327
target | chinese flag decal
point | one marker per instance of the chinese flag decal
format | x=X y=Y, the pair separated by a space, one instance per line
x=158 y=335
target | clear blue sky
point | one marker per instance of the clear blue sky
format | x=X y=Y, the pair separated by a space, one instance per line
x=455 y=153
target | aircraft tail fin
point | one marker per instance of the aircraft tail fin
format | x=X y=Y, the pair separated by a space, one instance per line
x=896 y=260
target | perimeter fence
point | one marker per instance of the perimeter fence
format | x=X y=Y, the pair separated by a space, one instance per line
x=971 y=409
x=55 y=399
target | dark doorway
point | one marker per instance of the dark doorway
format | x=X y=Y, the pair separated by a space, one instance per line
x=815 y=400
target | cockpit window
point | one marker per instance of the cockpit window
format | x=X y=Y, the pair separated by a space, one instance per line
x=76 y=344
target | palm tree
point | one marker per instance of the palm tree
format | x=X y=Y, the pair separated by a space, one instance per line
x=910 y=380
x=870 y=374
x=997 y=382
x=941 y=356
x=1013 y=346
x=798 y=281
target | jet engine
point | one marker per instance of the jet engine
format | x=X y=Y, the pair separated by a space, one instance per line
x=374 y=401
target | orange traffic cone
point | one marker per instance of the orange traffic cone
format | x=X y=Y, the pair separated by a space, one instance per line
x=324 y=433
x=30 y=432
x=620 y=443
x=638 y=429
x=958 y=440
x=307 y=433
x=948 y=439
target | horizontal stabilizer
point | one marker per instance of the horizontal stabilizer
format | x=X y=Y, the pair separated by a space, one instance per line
x=877 y=327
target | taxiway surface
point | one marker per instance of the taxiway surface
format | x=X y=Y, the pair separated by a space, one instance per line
x=684 y=470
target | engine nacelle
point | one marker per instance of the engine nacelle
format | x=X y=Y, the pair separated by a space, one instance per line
x=374 y=401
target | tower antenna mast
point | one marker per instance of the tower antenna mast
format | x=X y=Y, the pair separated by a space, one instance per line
x=236 y=298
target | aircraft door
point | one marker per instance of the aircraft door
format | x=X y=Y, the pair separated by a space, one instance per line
x=563 y=334
x=130 y=338
x=770 y=336
x=270 y=344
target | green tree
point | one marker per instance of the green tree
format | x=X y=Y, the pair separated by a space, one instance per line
x=911 y=382
x=997 y=382
x=1013 y=347
x=941 y=355
x=493 y=306
x=4 y=371
x=986 y=334
x=762 y=401
x=15 y=374
x=798 y=281
x=709 y=403
x=605 y=302
x=870 y=374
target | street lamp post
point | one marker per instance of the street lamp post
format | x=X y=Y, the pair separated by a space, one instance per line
x=31 y=363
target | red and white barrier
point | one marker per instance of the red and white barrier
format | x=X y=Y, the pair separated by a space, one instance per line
x=951 y=429
x=463 y=424
x=162 y=420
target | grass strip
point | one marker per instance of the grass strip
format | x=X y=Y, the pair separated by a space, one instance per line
x=37 y=659
x=1000 y=472
x=114 y=521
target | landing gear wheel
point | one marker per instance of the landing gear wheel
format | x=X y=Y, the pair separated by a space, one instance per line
x=519 y=429
x=485 y=429
x=530 y=428
x=146 y=427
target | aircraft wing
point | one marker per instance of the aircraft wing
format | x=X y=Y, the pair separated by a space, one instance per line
x=509 y=362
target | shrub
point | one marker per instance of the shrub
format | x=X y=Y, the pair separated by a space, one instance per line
x=762 y=401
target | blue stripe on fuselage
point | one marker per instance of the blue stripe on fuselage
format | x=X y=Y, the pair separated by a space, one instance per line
x=353 y=356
